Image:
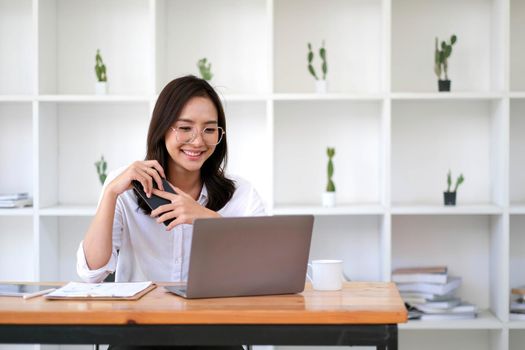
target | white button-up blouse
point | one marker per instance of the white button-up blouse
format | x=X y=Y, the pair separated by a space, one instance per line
x=146 y=251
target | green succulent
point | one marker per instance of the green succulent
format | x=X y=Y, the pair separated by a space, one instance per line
x=330 y=186
x=205 y=69
x=100 y=68
x=459 y=181
x=310 y=58
x=101 y=166
x=441 y=56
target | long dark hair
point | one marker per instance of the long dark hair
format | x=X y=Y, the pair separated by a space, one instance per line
x=170 y=103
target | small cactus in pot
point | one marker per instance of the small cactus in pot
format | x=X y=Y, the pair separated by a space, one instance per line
x=102 y=167
x=441 y=62
x=100 y=72
x=450 y=196
x=320 y=84
x=205 y=69
x=329 y=194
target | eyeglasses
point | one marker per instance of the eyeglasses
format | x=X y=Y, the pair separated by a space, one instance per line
x=210 y=135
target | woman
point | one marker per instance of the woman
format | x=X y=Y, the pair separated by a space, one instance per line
x=186 y=145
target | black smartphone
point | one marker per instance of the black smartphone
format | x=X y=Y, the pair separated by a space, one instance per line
x=154 y=201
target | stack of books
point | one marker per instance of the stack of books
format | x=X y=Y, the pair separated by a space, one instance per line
x=517 y=304
x=15 y=200
x=429 y=293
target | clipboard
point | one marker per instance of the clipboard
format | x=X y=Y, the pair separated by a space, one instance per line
x=59 y=294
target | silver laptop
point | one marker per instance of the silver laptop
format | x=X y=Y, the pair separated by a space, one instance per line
x=247 y=256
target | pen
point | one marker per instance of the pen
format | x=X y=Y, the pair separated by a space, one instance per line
x=36 y=294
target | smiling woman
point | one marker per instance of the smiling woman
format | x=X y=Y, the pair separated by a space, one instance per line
x=186 y=145
x=186 y=108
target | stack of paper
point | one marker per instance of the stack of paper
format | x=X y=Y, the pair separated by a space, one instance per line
x=429 y=293
x=15 y=200
x=123 y=291
x=517 y=303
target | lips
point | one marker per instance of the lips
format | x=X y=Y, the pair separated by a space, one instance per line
x=192 y=154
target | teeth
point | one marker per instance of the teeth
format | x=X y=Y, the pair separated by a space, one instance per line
x=192 y=154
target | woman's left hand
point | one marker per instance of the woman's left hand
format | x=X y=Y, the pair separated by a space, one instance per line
x=182 y=207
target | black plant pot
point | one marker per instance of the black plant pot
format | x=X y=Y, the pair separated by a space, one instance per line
x=450 y=198
x=444 y=85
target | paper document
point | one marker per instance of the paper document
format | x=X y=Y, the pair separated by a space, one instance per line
x=99 y=290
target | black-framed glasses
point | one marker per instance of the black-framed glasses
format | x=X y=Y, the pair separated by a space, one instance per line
x=211 y=135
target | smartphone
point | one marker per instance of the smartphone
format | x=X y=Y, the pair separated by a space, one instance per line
x=154 y=201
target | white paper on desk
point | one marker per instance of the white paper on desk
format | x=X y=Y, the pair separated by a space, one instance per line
x=110 y=290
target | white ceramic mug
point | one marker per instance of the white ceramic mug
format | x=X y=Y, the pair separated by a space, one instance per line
x=326 y=274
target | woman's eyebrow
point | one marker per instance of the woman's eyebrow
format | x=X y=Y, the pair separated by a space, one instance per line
x=193 y=122
x=185 y=120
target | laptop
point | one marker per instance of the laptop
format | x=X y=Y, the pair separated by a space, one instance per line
x=246 y=256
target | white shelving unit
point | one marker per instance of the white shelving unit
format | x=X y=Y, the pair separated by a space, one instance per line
x=395 y=136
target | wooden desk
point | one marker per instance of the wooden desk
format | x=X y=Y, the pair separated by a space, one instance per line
x=360 y=314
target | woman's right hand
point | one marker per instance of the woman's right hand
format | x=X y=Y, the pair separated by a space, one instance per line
x=145 y=172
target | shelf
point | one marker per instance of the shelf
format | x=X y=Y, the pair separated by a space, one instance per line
x=117 y=131
x=429 y=138
x=485 y=320
x=17 y=212
x=517 y=45
x=234 y=97
x=16 y=148
x=224 y=97
x=303 y=131
x=421 y=96
x=337 y=210
x=464 y=243
x=69 y=210
x=516 y=153
x=446 y=210
x=517 y=95
x=352 y=31
x=231 y=34
x=515 y=324
x=328 y=97
x=16 y=239
x=243 y=97
x=120 y=98
x=516 y=256
x=477 y=26
x=517 y=209
x=120 y=29
x=16 y=44
x=16 y=98
x=94 y=98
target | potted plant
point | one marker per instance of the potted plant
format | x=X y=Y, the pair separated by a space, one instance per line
x=205 y=69
x=329 y=194
x=101 y=86
x=450 y=197
x=320 y=84
x=441 y=62
x=101 y=166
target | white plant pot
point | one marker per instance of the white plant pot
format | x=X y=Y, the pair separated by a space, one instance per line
x=321 y=86
x=328 y=199
x=101 y=88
